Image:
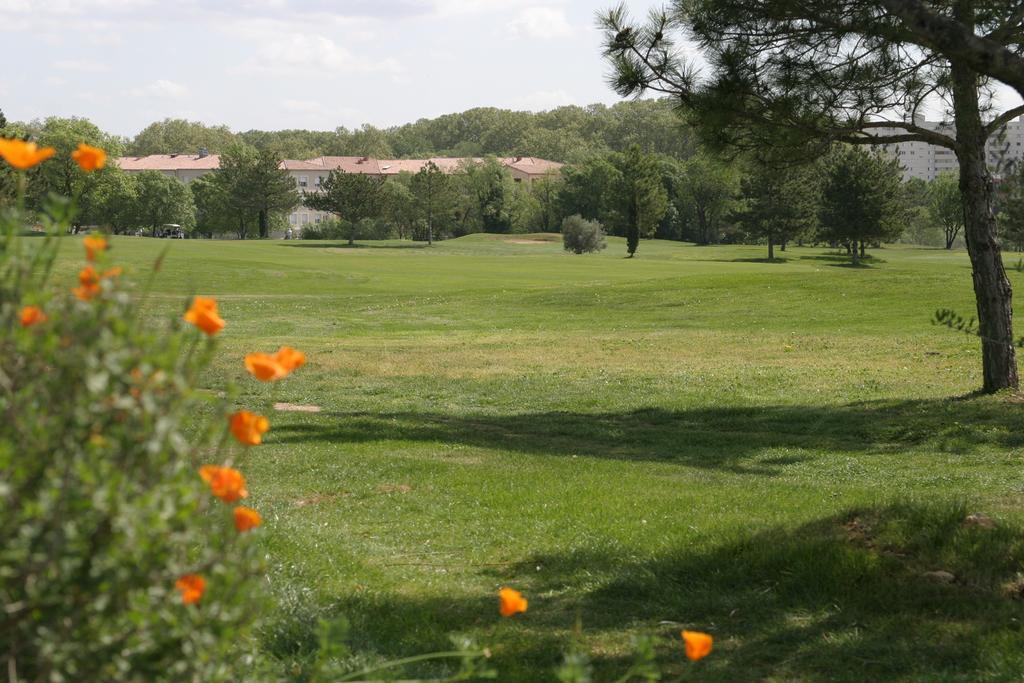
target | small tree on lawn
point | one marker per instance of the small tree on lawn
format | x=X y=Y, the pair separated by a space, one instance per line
x=642 y=196
x=781 y=203
x=861 y=200
x=434 y=195
x=944 y=206
x=352 y=197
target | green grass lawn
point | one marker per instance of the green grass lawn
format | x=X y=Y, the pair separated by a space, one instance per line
x=775 y=453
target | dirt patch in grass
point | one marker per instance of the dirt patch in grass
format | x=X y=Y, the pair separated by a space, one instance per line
x=295 y=408
x=394 y=488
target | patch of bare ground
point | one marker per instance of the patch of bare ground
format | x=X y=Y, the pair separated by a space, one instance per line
x=295 y=408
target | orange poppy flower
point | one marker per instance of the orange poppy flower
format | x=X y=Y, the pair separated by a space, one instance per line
x=510 y=601
x=89 y=158
x=264 y=367
x=246 y=519
x=112 y=272
x=203 y=314
x=226 y=483
x=192 y=587
x=32 y=315
x=290 y=358
x=248 y=427
x=89 y=284
x=24 y=155
x=698 y=645
x=93 y=246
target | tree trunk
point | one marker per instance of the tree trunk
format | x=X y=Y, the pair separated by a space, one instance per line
x=862 y=254
x=782 y=245
x=854 y=253
x=992 y=291
x=771 y=248
x=264 y=224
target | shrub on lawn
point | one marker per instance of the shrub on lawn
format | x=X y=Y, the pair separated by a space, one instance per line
x=117 y=560
x=581 y=236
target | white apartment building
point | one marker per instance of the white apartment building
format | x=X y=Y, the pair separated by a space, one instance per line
x=925 y=161
x=310 y=173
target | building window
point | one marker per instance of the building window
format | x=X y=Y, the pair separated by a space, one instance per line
x=303 y=181
x=305 y=218
x=292 y=219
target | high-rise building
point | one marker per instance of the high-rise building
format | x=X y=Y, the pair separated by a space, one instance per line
x=925 y=161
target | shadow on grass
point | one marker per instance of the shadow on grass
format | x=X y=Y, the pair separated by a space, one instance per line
x=843 y=598
x=313 y=244
x=844 y=259
x=735 y=439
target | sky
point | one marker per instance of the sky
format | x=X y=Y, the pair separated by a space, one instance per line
x=318 y=64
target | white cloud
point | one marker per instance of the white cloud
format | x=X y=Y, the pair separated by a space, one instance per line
x=543 y=100
x=82 y=65
x=160 y=88
x=541 y=22
x=313 y=55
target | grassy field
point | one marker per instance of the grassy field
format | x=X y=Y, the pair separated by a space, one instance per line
x=776 y=453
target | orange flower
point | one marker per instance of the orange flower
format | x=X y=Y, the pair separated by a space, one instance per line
x=698 y=645
x=248 y=427
x=89 y=281
x=203 y=315
x=226 y=483
x=89 y=158
x=290 y=358
x=93 y=246
x=32 y=315
x=192 y=587
x=264 y=367
x=112 y=272
x=510 y=601
x=24 y=155
x=246 y=519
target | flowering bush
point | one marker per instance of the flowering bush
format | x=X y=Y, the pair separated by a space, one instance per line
x=124 y=552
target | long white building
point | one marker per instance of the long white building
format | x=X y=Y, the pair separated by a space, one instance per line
x=309 y=173
x=925 y=161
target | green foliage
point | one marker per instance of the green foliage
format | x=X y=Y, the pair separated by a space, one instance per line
x=581 y=236
x=861 y=200
x=487 y=192
x=178 y=136
x=1011 y=214
x=104 y=427
x=780 y=203
x=353 y=197
x=61 y=175
x=945 y=207
x=434 y=196
x=250 y=185
x=161 y=200
x=709 y=190
x=642 y=196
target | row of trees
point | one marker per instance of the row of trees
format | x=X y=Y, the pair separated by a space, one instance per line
x=635 y=193
x=567 y=134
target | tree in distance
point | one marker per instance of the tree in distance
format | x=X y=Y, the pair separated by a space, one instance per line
x=801 y=75
x=944 y=207
x=352 y=197
x=861 y=200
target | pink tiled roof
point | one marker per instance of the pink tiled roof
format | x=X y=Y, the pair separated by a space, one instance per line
x=294 y=165
x=178 y=162
x=532 y=165
x=170 y=162
x=349 y=164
